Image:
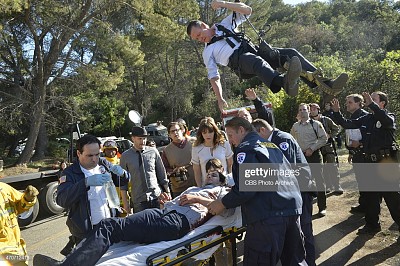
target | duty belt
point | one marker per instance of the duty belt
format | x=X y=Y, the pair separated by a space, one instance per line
x=376 y=157
x=355 y=151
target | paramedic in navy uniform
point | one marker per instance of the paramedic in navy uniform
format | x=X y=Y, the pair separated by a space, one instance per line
x=272 y=218
x=292 y=151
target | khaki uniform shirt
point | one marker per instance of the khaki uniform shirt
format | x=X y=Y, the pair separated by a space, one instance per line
x=309 y=135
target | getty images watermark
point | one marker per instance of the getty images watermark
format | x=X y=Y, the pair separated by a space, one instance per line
x=258 y=177
x=268 y=177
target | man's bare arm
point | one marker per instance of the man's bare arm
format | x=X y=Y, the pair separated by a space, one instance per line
x=217 y=88
x=189 y=199
x=234 y=6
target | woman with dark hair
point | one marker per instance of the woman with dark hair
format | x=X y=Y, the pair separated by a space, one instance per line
x=210 y=143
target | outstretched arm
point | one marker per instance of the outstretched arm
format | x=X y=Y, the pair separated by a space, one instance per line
x=262 y=111
x=234 y=6
x=217 y=88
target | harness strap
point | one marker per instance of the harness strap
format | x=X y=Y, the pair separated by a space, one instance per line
x=226 y=35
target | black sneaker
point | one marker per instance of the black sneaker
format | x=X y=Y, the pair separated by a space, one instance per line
x=322 y=213
x=370 y=230
x=357 y=209
x=291 y=78
x=43 y=260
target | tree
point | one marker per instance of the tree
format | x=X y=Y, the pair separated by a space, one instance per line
x=48 y=40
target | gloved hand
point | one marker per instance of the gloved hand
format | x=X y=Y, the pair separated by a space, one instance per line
x=97 y=180
x=118 y=170
x=30 y=193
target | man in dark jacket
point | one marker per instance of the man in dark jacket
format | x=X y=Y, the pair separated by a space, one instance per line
x=354 y=105
x=270 y=213
x=380 y=170
x=292 y=151
x=81 y=188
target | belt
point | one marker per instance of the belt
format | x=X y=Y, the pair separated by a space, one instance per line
x=376 y=157
x=148 y=201
x=355 y=151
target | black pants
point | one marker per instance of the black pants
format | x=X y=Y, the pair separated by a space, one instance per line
x=246 y=64
x=148 y=226
x=384 y=176
x=306 y=227
x=358 y=160
x=330 y=170
x=272 y=239
x=373 y=200
x=315 y=162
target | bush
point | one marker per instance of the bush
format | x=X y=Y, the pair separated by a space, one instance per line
x=57 y=150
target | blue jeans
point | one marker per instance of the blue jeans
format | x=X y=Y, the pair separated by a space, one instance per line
x=148 y=226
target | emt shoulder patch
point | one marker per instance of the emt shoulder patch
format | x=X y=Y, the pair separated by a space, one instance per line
x=62 y=179
x=284 y=146
x=240 y=157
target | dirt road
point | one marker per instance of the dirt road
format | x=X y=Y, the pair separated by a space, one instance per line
x=337 y=242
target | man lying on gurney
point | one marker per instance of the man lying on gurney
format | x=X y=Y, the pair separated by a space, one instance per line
x=178 y=217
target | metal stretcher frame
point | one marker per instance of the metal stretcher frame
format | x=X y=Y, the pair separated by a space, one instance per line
x=188 y=252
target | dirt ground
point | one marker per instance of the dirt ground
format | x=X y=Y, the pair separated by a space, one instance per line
x=336 y=239
x=337 y=242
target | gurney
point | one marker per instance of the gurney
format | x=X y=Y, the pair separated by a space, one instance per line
x=199 y=244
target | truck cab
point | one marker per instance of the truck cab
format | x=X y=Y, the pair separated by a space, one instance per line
x=158 y=133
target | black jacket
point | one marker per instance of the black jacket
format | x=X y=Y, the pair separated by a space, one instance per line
x=257 y=206
x=72 y=195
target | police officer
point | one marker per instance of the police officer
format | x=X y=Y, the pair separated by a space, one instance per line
x=311 y=136
x=292 y=151
x=328 y=151
x=380 y=151
x=354 y=104
x=272 y=218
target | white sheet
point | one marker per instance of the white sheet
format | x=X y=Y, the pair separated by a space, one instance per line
x=128 y=253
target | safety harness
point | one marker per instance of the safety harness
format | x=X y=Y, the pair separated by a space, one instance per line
x=239 y=37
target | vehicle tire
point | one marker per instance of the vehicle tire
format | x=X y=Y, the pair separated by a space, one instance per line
x=48 y=199
x=29 y=216
x=162 y=143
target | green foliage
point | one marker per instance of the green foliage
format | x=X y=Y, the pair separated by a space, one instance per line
x=10 y=6
x=57 y=151
x=98 y=63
